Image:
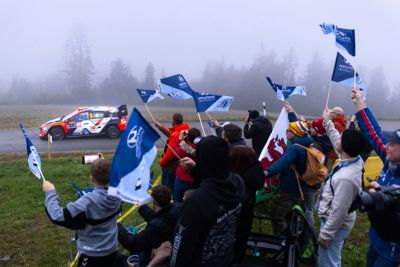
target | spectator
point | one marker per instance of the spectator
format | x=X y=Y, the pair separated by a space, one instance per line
x=160 y=224
x=244 y=162
x=168 y=162
x=339 y=190
x=229 y=132
x=367 y=149
x=93 y=215
x=289 y=190
x=340 y=123
x=386 y=144
x=257 y=128
x=205 y=233
x=184 y=147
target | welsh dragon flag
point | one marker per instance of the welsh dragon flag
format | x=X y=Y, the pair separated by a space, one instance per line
x=272 y=151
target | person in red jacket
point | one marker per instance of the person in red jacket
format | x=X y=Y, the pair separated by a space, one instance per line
x=168 y=161
x=185 y=147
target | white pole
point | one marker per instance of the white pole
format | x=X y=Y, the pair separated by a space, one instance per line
x=264 y=109
x=201 y=123
x=329 y=93
x=151 y=115
x=210 y=120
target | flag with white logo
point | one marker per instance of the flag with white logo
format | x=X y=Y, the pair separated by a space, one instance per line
x=345 y=38
x=136 y=151
x=175 y=86
x=212 y=103
x=283 y=92
x=344 y=73
x=149 y=95
x=34 y=161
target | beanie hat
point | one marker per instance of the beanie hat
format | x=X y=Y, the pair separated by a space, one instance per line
x=253 y=114
x=353 y=142
x=337 y=110
x=298 y=128
x=318 y=126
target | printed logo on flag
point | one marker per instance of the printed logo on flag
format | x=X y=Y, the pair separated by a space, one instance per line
x=135 y=139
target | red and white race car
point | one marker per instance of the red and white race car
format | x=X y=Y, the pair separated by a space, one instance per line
x=87 y=121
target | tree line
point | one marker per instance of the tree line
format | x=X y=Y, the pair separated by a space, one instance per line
x=74 y=84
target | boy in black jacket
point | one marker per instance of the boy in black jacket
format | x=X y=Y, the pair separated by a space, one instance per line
x=160 y=224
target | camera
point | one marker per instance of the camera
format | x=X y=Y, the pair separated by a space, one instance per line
x=383 y=209
x=88 y=159
x=384 y=197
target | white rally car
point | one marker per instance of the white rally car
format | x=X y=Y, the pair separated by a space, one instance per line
x=87 y=121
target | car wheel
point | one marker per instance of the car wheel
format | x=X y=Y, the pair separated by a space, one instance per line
x=113 y=132
x=57 y=133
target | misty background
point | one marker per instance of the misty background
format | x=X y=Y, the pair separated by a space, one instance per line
x=99 y=52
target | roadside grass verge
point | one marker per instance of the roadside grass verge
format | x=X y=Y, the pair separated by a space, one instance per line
x=28 y=236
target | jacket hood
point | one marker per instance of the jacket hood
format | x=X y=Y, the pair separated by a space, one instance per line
x=225 y=191
x=261 y=119
x=341 y=120
x=108 y=202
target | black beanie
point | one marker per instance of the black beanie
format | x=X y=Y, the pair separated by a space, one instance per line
x=353 y=142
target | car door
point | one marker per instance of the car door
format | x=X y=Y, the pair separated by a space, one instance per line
x=98 y=121
x=81 y=123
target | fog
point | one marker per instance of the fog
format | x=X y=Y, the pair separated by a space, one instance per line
x=185 y=37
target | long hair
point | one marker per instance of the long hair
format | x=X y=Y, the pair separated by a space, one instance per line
x=242 y=157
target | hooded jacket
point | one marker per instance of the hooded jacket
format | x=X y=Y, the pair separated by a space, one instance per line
x=94 y=215
x=205 y=233
x=174 y=135
x=259 y=132
x=160 y=227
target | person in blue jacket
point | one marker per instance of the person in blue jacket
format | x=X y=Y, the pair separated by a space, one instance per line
x=386 y=144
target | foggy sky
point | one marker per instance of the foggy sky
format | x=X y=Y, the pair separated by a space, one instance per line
x=182 y=36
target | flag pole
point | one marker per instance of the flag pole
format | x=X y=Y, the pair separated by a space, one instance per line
x=329 y=93
x=151 y=115
x=210 y=120
x=354 y=79
x=201 y=123
x=264 y=109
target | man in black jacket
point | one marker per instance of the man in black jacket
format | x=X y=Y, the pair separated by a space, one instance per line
x=160 y=224
x=258 y=128
x=205 y=233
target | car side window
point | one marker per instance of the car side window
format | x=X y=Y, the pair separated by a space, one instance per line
x=81 y=117
x=97 y=115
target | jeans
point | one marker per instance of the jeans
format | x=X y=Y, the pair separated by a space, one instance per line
x=168 y=178
x=331 y=256
x=374 y=260
x=179 y=189
x=309 y=203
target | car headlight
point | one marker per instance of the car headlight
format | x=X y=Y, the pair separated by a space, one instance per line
x=44 y=129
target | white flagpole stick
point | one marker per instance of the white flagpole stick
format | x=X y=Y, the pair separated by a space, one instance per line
x=201 y=123
x=264 y=109
x=210 y=120
x=329 y=93
x=151 y=115
x=49 y=142
x=41 y=174
x=354 y=80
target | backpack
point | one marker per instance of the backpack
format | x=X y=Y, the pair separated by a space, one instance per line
x=315 y=168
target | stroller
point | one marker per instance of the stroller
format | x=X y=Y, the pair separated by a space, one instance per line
x=297 y=245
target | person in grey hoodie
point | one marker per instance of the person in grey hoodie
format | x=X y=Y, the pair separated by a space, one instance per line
x=93 y=215
x=338 y=191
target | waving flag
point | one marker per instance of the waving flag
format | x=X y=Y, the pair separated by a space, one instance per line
x=283 y=92
x=149 y=95
x=273 y=151
x=34 y=161
x=212 y=103
x=136 y=151
x=345 y=38
x=176 y=87
x=344 y=73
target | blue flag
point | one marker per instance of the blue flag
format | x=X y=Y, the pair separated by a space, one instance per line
x=176 y=87
x=34 y=161
x=345 y=38
x=344 y=73
x=136 y=151
x=149 y=95
x=283 y=92
x=212 y=103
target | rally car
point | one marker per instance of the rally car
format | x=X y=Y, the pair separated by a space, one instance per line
x=87 y=121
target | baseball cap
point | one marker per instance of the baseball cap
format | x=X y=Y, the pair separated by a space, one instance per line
x=392 y=136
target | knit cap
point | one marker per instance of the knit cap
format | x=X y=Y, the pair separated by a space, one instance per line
x=298 y=128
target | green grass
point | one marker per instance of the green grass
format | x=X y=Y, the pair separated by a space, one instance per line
x=26 y=233
x=31 y=239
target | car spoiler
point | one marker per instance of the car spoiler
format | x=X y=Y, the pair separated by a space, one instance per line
x=122 y=111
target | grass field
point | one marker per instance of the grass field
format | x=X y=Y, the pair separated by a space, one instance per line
x=31 y=239
x=35 y=115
